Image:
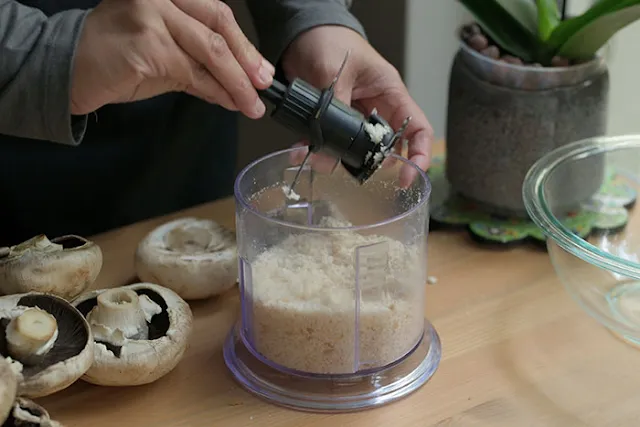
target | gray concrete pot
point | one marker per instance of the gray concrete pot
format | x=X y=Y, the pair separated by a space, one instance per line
x=502 y=118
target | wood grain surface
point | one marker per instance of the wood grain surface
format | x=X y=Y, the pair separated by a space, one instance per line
x=517 y=351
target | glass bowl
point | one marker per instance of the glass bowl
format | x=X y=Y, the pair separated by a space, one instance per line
x=582 y=197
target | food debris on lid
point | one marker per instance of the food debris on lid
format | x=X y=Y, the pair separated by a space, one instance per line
x=291 y=195
x=376 y=131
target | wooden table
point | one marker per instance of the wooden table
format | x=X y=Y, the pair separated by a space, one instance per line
x=517 y=351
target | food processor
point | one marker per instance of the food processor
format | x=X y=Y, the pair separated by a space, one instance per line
x=332 y=262
x=332 y=285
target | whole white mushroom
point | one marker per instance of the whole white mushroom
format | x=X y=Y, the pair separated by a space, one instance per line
x=17 y=411
x=47 y=342
x=8 y=389
x=196 y=258
x=64 y=266
x=140 y=333
x=27 y=413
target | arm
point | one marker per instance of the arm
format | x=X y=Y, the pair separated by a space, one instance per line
x=278 y=22
x=36 y=60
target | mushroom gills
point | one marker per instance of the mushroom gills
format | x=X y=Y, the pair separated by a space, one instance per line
x=70 y=340
x=27 y=413
x=31 y=335
x=119 y=315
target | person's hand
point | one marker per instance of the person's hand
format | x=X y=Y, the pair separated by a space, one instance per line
x=131 y=50
x=368 y=81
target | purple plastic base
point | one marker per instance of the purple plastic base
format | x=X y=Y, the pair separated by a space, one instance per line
x=333 y=393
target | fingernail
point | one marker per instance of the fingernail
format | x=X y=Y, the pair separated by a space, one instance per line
x=266 y=64
x=259 y=108
x=266 y=75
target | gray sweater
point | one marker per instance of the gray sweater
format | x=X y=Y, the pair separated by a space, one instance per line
x=61 y=174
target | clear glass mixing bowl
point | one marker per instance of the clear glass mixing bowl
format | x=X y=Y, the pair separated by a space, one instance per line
x=332 y=285
x=582 y=197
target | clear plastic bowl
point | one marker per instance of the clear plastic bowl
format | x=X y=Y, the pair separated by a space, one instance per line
x=332 y=285
x=593 y=231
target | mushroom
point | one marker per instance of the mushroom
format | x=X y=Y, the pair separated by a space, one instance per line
x=196 y=258
x=63 y=266
x=47 y=341
x=140 y=331
x=26 y=413
x=8 y=389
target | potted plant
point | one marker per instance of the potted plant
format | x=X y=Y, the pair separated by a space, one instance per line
x=525 y=81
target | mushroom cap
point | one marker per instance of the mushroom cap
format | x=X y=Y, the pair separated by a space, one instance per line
x=64 y=266
x=196 y=258
x=140 y=362
x=8 y=389
x=28 y=413
x=69 y=358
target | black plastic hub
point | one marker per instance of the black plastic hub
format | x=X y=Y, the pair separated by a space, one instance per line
x=330 y=125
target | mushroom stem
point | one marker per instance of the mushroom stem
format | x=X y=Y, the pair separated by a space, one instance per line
x=118 y=315
x=31 y=335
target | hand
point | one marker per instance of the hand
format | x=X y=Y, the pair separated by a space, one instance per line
x=368 y=81
x=136 y=49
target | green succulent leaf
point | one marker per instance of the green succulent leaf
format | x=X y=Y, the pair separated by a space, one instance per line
x=582 y=36
x=505 y=29
x=548 y=17
x=524 y=11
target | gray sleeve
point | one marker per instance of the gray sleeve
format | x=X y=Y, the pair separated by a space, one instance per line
x=278 y=22
x=36 y=59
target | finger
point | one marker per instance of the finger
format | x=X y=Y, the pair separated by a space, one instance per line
x=418 y=146
x=218 y=17
x=192 y=78
x=397 y=105
x=210 y=49
x=205 y=87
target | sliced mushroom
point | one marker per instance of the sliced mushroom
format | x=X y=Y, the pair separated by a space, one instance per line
x=46 y=339
x=27 y=413
x=196 y=258
x=8 y=389
x=141 y=332
x=64 y=266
